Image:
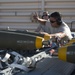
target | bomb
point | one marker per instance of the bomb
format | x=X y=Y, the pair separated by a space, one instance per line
x=45 y=36
x=19 y=41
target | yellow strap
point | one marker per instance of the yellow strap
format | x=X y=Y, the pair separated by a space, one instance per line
x=38 y=42
x=46 y=36
x=62 y=53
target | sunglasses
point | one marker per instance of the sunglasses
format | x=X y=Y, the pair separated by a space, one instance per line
x=52 y=21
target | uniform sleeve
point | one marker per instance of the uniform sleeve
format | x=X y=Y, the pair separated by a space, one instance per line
x=66 y=30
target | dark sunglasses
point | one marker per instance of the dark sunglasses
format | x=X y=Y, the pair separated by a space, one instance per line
x=52 y=21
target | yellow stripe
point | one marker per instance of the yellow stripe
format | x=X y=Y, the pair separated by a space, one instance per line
x=46 y=36
x=62 y=53
x=73 y=40
x=38 y=42
x=70 y=42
